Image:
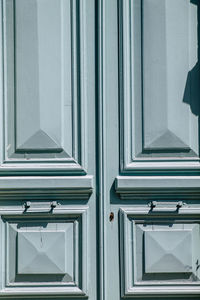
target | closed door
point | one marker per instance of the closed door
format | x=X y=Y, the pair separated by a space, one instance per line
x=99 y=175
x=48 y=199
x=149 y=88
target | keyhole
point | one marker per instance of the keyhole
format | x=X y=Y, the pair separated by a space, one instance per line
x=111 y=216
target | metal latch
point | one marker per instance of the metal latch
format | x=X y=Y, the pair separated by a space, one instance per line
x=34 y=208
x=155 y=204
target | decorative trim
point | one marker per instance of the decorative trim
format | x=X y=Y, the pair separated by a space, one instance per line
x=77 y=164
x=101 y=161
x=158 y=187
x=76 y=289
x=130 y=132
x=130 y=288
x=71 y=187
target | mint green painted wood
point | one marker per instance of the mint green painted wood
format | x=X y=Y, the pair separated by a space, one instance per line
x=43 y=76
x=45 y=256
x=91 y=91
x=141 y=191
x=48 y=193
x=159 y=74
x=44 y=93
x=170 y=35
x=173 y=251
x=38 y=253
x=159 y=255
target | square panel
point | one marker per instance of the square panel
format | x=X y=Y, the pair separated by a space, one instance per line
x=44 y=255
x=168 y=251
x=42 y=252
x=39 y=253
x=160 y=253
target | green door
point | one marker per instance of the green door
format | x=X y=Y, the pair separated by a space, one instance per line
x=47 y=185
x=99 y=151
x=150 y=96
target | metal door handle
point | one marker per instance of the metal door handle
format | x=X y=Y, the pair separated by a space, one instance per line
x=28 y=205
x=154 y=204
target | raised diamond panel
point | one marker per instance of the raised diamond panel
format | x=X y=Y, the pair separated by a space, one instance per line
x=35 y=253
x=39 y=253
x=160 y=252
x=44 y=254
x=168 y=251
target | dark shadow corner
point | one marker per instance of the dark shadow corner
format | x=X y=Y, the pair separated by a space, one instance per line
x=192 y=88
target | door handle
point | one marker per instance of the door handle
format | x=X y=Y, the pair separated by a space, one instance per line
x=33 y=208
x=155 y=204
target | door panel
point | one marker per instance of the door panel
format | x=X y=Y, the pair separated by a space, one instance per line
x=45 y=255
x=99 y=170
x=44 y=91
x=150 y=149
x=159 y=254
x=159 y=75
x=170 y=35
x=47 y=150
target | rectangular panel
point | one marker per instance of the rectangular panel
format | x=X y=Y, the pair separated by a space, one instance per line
x=160 y=251
x=37 y=255
x=43 y=75
x=160 y=91
x=169 y=59
x=44 y=108
x=44 y=255
x=173 y=250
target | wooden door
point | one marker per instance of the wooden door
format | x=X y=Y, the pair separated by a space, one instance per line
x=99 y=174
x=149 y=84
x=48 y=203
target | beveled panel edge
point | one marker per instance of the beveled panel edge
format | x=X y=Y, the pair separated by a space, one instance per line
x=129 y=164
x=158 y=187
x=38 y=187
x=127 y=290
x=51 y=293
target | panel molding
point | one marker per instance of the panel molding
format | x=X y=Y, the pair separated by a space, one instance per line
x=76 y=288
x=158 y=187
x=180 y=158
x=51 y=159
x=130 y=286
x=34 y=187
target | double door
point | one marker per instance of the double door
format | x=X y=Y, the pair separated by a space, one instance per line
x=99 y=175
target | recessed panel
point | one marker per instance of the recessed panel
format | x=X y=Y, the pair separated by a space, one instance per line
x=42 y=97
x=43 y=106
x=160 y=252
x=42 y=57
x=159 y=78
x=43 y=255
x=170 y=71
